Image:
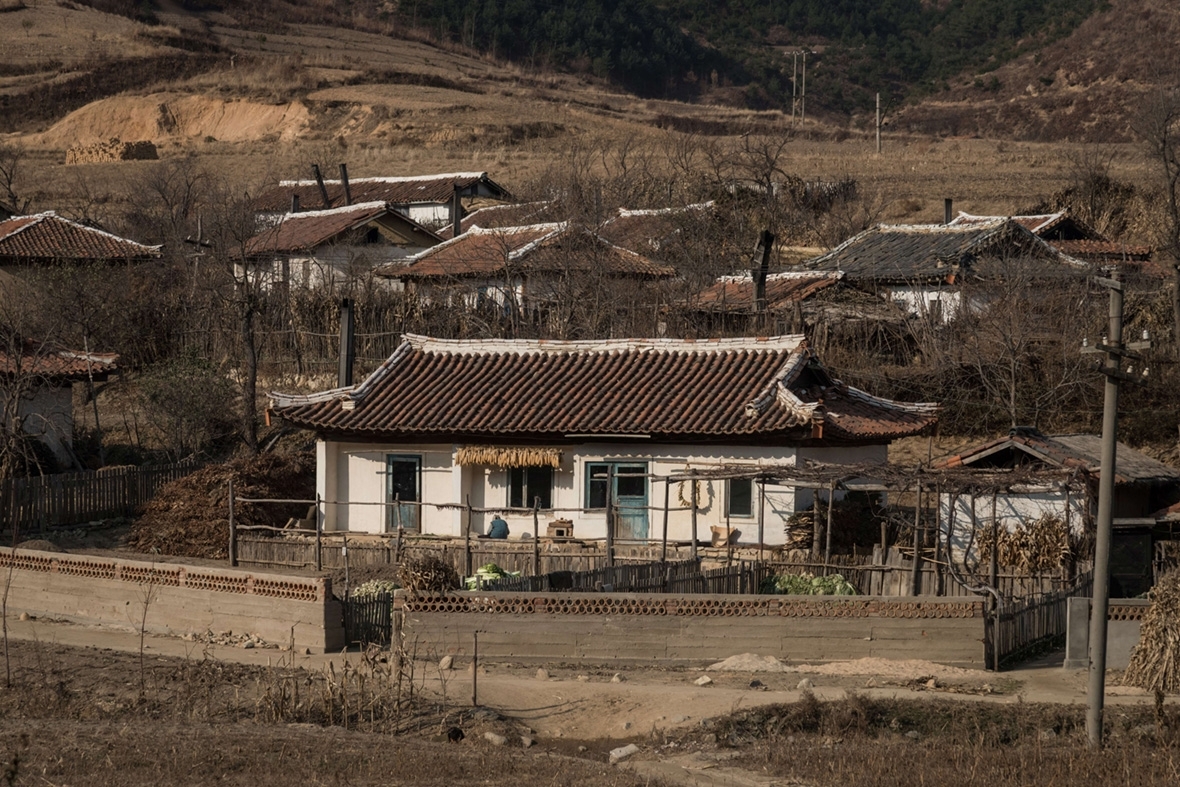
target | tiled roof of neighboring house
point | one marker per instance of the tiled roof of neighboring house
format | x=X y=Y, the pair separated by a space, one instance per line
x=306 y=230
x=907 y=253
x=1104 y=250
x=1072 y=451
x=536 y=248
x=731 y=389
x=735 y=294
x=495 y=216
x=396 y=190
x=649 y=231
x=47 y=236
x=1040 y=224
x=44 y=360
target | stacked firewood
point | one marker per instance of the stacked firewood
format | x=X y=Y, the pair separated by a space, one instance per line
x=428 y=575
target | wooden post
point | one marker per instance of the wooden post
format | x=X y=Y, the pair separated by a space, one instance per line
x=994 y=567
x=664 y=539
x=828 y=544
x=319 y=532
x=916 y=574
x=938 y=550
x=537 y=536
x=761 y=516
x=816 y=526
x=233 y=531
x=475 y=669
x=467 y=538
x=610 y=515
x=693 y=482
x=728 y=533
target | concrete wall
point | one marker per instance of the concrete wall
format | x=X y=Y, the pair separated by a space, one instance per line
x=1123 y=619
x=356 y=472
x=180 y=599
x=696 y=629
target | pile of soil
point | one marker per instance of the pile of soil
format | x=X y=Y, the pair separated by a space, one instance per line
x=190 y=516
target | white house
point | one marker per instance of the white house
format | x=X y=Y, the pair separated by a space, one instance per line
x=36 y=391
x=328 y=247
x=575 y=425
x=1142 y=485
x=921 y=267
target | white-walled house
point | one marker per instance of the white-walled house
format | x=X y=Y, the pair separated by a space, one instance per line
x=501 y=424
x=1142 y=485
x=36 y=391
x=325 y=248
x=922 y=267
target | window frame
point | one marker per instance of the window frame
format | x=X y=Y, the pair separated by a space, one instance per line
x=729 y=512
x=526 y=491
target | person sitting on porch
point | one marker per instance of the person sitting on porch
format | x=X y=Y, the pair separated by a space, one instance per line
x=498 y=528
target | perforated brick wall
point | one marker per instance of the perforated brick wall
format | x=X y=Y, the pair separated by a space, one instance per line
x=179 y=598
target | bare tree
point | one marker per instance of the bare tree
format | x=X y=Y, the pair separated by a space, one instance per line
x=11 y=157
x=1159 y=127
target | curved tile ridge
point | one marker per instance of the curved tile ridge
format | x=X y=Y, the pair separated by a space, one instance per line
x=919 y=408
x=428 y=344
x=779 y=390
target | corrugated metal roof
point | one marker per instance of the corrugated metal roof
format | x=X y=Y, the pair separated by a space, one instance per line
x=721 y=389
x=307 y=230
x=47 y=236
x=396 y=190
x=536 y=248
x=932 y=252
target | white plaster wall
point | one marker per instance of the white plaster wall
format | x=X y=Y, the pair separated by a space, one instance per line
x=1010 y=510
x=356 y=474
x=925 y=301
x=49 y=416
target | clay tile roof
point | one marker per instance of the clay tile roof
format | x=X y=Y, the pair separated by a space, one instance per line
x=44 y=360
x=720 y=389
x=395 y=190
x=647 y=231
x=1103 y=250
x=306 y=230
x=47 y=236
x=1077 y=451
x=925 y=252
x=496 y=216
x=1050 y=226
x=735 y=294
x=536 y=248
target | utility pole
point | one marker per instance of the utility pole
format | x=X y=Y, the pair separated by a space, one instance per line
x=794 y=84
x=878 y=124
x=1113 y=348
x=803 y=96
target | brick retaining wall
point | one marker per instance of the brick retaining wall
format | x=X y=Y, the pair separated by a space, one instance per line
x=180 y=598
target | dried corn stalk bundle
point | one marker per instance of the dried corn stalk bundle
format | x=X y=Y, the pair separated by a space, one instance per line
x=428 y=575
x=1040 y=545
x=509 y=456
x=800 y=531
x=1155 y=661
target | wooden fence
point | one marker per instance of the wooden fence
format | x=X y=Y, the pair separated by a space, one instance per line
x=369 y=619
x=652 y=577
x=40 y=502
x=1018 y=628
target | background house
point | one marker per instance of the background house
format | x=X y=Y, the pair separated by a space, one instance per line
x=1071 y=236
x=502 y=423
x=36 y=391
x=922 y=266
x=427 y=199
x=48 y=239
x=328 y=247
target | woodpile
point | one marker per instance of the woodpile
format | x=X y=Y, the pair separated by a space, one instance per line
x=428 y=575
x=1155 y=661
x=189 y=517
x=1029 y=547
x=112 y=150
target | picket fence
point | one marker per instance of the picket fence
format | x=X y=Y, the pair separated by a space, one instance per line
x=38 y=503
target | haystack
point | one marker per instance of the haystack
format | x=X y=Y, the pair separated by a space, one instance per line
x=189 y=517
x=1155 y=661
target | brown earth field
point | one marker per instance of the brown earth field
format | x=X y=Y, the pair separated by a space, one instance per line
x=90 y=706
x=258 y=106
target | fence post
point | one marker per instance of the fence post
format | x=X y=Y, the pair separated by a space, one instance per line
x=467 y=538
x=233 y=530
x=828 y=535
x=536 y=536
x=761 y=516
x=610 y=515
x=319 y=533
x=916 y=575
x=693 y=483
x=664 y=538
